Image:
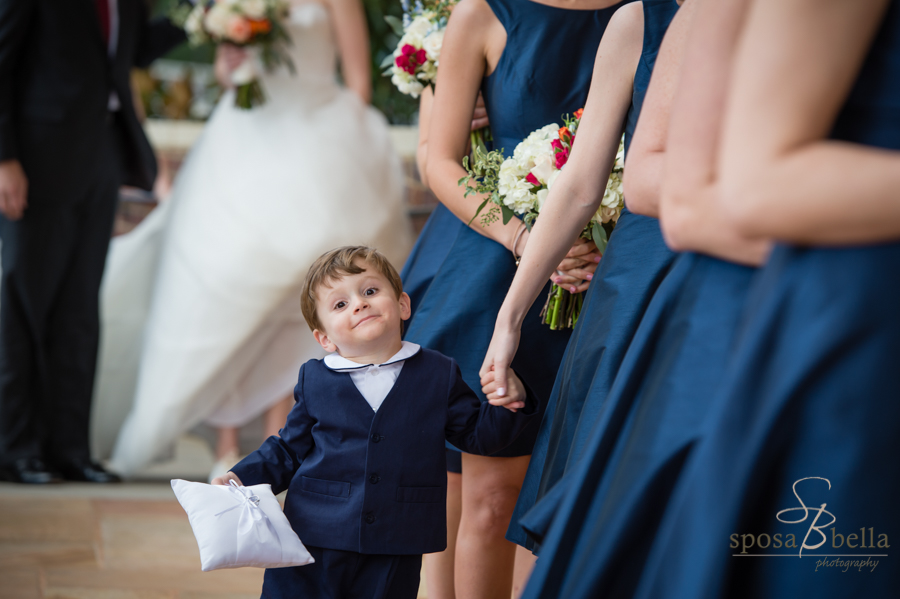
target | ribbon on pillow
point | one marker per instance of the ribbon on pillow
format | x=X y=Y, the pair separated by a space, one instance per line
x=251 y=531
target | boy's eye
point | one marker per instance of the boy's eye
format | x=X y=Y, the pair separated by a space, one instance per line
x=340 y=305
x=371 y=291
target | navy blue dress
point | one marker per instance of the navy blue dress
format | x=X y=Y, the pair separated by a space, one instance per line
x=635 y=262
x=616 y=496
x=544 y=72
x=811 y=391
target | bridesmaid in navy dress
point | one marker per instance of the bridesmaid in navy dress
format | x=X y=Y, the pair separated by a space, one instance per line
x=809 y=413
x=633 y=266
x=532 y=62
x=663 y=391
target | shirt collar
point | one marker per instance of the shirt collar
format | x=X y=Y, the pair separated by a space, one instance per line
x=339 y=363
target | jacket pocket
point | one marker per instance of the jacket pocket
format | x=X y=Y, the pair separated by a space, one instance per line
x=421 y=494
x=332 y=488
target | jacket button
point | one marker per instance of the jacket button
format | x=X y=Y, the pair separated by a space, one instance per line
x=370 y=518
x=376 y=438
x=374 y=479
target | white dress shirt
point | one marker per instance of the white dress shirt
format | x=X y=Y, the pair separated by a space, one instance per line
x=374 y=381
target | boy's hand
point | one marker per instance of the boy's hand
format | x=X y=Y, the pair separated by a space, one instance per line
x=225 y=478
x=513 y=399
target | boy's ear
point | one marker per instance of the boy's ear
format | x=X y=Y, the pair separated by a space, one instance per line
x=324 y=341
x=405 y=306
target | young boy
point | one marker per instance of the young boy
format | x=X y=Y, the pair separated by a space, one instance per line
x=362 y=454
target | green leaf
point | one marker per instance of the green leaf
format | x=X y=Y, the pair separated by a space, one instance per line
x=598 y=234
x=507 y=214
x=395 y=23
x=388 y=62
x=478 y=211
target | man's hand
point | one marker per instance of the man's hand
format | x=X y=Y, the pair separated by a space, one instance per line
x=225 y=478
x=13 y=189
x=514 y=396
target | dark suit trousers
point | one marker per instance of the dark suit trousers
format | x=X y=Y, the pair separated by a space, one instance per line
x=346 y=575
x=52 y=261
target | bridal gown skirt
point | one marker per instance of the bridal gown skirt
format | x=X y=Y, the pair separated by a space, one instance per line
x=201 y=303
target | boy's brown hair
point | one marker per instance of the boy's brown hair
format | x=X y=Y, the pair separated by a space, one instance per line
x=336 y=264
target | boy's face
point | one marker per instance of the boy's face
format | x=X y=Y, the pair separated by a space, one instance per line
x=360 y=314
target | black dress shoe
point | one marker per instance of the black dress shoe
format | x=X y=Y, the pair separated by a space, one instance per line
x=31 y=471
x=87 y=471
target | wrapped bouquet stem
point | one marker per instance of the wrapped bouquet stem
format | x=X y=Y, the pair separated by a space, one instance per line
x=518 y=186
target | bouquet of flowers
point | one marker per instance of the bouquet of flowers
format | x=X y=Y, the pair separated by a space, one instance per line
x=413 y=65
x=254 y=24
x=519 y=185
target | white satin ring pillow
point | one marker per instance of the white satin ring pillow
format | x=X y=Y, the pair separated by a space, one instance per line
x=239 y=526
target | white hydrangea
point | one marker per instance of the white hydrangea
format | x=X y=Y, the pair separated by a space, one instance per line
x=432 y=44
x=406 y=83
x=216 y=21
x=254 y=9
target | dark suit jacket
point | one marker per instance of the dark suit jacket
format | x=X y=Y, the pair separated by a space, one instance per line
x=376 y=482
x=55 y=81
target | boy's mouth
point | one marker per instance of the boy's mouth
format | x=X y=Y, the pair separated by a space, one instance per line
x=365 y=320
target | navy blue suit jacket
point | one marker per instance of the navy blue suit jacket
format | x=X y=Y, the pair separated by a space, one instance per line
x=376 y=482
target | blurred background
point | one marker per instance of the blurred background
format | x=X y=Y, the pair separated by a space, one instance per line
x=178 y=93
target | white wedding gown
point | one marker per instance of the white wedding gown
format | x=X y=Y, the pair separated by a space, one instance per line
x=201 y=310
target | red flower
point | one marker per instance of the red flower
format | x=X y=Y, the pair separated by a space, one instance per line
x=402 y=61
x=533 y=180
x=579 y=112
x=408 y=49
x=561 y=158
x=421 y=57
x=556 y=145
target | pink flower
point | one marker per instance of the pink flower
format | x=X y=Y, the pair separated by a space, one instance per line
x=533 y=180
x=239 y=30
x=406 y=63
x=561 y=158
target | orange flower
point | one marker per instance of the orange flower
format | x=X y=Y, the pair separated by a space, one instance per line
x=564 y=134
x=260 y=26
x=579 y=112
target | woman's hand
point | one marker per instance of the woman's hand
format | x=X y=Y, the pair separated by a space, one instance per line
x=576 y=270
x=228 y=58
x=480 y=116
x=499 y=356
x=514 y=391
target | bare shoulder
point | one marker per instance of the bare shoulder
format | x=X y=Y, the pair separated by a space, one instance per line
x=475 y=14
x=627 y=21
x=624 y=35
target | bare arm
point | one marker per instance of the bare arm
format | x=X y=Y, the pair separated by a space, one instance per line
x=577 y=193
x=473 y=42
x=781 y=177
x=692 y=217
x=426 y=100
x=647 y=152
x=353 y=45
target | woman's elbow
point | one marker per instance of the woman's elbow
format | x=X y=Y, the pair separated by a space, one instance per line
x=675 y=220
x=743 y=200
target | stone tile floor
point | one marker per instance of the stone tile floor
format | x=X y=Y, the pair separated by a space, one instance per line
x=125 y=541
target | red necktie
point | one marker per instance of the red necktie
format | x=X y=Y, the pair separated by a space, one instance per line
x=103 y=13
